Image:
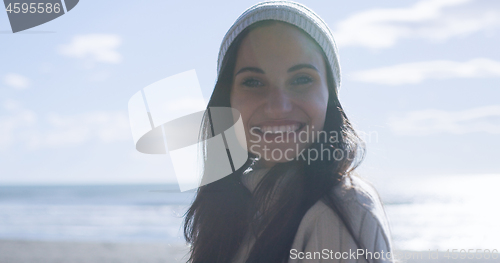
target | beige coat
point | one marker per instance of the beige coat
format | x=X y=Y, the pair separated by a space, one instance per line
x=322 y=237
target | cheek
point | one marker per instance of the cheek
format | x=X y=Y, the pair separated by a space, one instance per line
x=243 y=105
x=316 y=106
x=321 y=109
x=237 y=102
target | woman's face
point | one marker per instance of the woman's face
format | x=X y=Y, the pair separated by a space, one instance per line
x=280 y=88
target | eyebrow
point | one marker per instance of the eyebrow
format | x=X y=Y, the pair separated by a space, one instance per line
x=301 y=66
x=294 y=68
x=251 y=69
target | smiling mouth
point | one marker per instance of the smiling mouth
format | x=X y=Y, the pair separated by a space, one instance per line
x=278 y=129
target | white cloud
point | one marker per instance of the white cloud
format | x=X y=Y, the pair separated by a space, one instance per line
x=434 y=20
x=427 y=122
x=412 y=73
x=21 y=126
x=16 y=81
x=94 y=48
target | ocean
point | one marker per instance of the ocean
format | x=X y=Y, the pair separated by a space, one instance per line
x=427 y=212
x=443 y=212
x=112 y=213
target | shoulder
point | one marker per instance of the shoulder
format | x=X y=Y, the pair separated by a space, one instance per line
x=364 y=209
x=361 y=200
x=322 y=228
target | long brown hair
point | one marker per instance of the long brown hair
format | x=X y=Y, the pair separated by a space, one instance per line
x=223 y=211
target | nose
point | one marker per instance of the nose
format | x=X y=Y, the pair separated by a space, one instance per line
x=278 y=104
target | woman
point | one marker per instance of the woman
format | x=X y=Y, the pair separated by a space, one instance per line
x=295 y=199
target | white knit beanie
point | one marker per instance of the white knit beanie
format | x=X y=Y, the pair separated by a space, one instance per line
x=292 y=13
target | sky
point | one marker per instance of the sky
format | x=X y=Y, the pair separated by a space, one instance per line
x=420 y=81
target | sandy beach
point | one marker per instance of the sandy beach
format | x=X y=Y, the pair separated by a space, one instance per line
x=18 y=251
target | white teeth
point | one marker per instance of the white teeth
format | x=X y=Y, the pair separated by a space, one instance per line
x=279 y=129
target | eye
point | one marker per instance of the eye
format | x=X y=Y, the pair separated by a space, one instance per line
x=251 y=82
x=301 y=80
